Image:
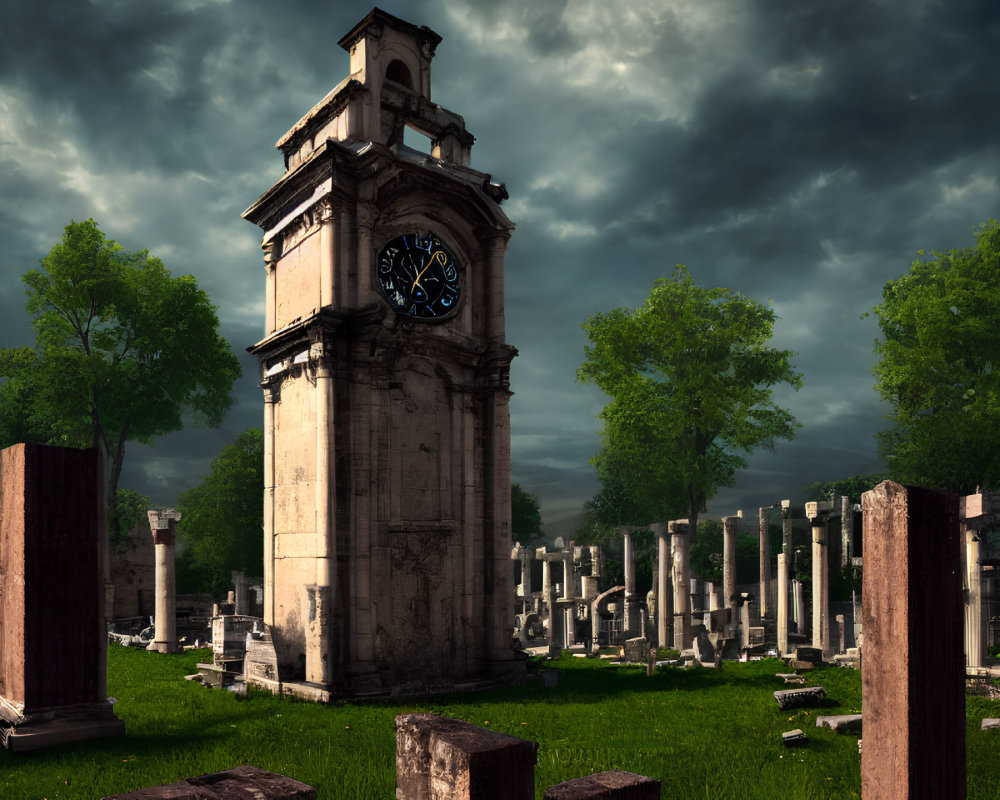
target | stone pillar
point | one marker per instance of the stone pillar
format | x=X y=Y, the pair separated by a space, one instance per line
x=664 y=595
x=782 y=592
x=730 y=526
x=765 y=564
x=241 y=592
x=820 y=588
x=682 y=618
x=798 y=605
x=569 y=578
x=975 y=649
x=632 y=603
x=841 y=633
x=53 y=636
x=786 y=530
x=548 y=600
x=846 y=531
x=164 y=529
x=912 y=673
x=526 y=574
x=271 y=396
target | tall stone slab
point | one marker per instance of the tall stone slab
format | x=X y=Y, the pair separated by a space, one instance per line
x=53 y=679
x=912 y=669
x=386 y=387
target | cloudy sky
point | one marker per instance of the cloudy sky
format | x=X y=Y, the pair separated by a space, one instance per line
x=801 y=153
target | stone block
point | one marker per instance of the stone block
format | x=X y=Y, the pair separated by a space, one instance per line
x=797 y=698
x=913 y=670
x=636 y=650
x=794 y=738
x=840 y=723
x=239 y=783
x=989 y=723
x=439 y=758
x=612 y=785
x=52 y=634
x=811 y=655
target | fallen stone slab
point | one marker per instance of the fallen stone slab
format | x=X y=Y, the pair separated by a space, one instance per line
x=840 y=722
x=794 y=738
x=796 y=698
x=239 y=783
x=613 y=785
x=990 y=723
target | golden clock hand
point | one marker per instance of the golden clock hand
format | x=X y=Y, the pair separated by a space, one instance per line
x=437 y=255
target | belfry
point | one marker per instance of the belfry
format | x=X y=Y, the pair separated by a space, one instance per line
x=386 y=385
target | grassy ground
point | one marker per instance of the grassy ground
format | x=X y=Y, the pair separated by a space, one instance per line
x=705 y=734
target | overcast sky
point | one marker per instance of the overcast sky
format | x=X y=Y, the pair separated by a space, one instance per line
x=799 y=152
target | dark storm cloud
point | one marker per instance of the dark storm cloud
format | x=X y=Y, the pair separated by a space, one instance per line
x=800 y=153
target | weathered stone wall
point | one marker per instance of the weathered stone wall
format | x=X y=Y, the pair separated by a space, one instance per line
x=133 y=575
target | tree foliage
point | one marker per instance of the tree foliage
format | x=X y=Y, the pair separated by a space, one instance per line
x=123 y=352
x=222 y=519
x=526 y=515
x=940 y=326
x=690 y=378
x=853 y=486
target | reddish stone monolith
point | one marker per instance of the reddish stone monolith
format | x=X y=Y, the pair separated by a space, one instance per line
x=912 y=666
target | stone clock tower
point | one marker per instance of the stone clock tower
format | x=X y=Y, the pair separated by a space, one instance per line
x=385 y=377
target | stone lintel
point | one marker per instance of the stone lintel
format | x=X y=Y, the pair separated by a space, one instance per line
x=615 y=784
x=238 y=783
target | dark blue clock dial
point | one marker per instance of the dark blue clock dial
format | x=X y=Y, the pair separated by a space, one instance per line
x=419 y=276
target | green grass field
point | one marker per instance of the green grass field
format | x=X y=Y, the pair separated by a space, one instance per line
x=703 y=733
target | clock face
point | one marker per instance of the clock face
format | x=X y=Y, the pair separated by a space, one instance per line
x=419 y=276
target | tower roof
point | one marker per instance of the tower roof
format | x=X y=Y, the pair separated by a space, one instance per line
x=422 y=33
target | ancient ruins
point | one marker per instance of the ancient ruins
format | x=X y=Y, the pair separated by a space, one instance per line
x=774 y=615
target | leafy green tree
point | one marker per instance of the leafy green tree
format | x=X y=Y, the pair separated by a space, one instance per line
x=526 y=515
x=690 y=378
x=124 y=351
x=222 y=519
x=940 y=326
x=853 y=486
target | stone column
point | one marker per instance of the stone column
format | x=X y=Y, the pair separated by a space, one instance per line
x=912 y=672
x=632 y=603
x=164 y=529
x=569 y=578
x=682 y=618
x=765 y=564
x=820 y=578
x=271 y=396
x=320 y=595
x=664 y=596
x=786 y=530
x=846 y=531
x=782 y=592
x=547 y=598
x=526 y=574
x=975 y=650
x=241 y=592
x=730 y=525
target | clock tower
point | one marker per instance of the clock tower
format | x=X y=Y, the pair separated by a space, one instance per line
x=386 y=385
